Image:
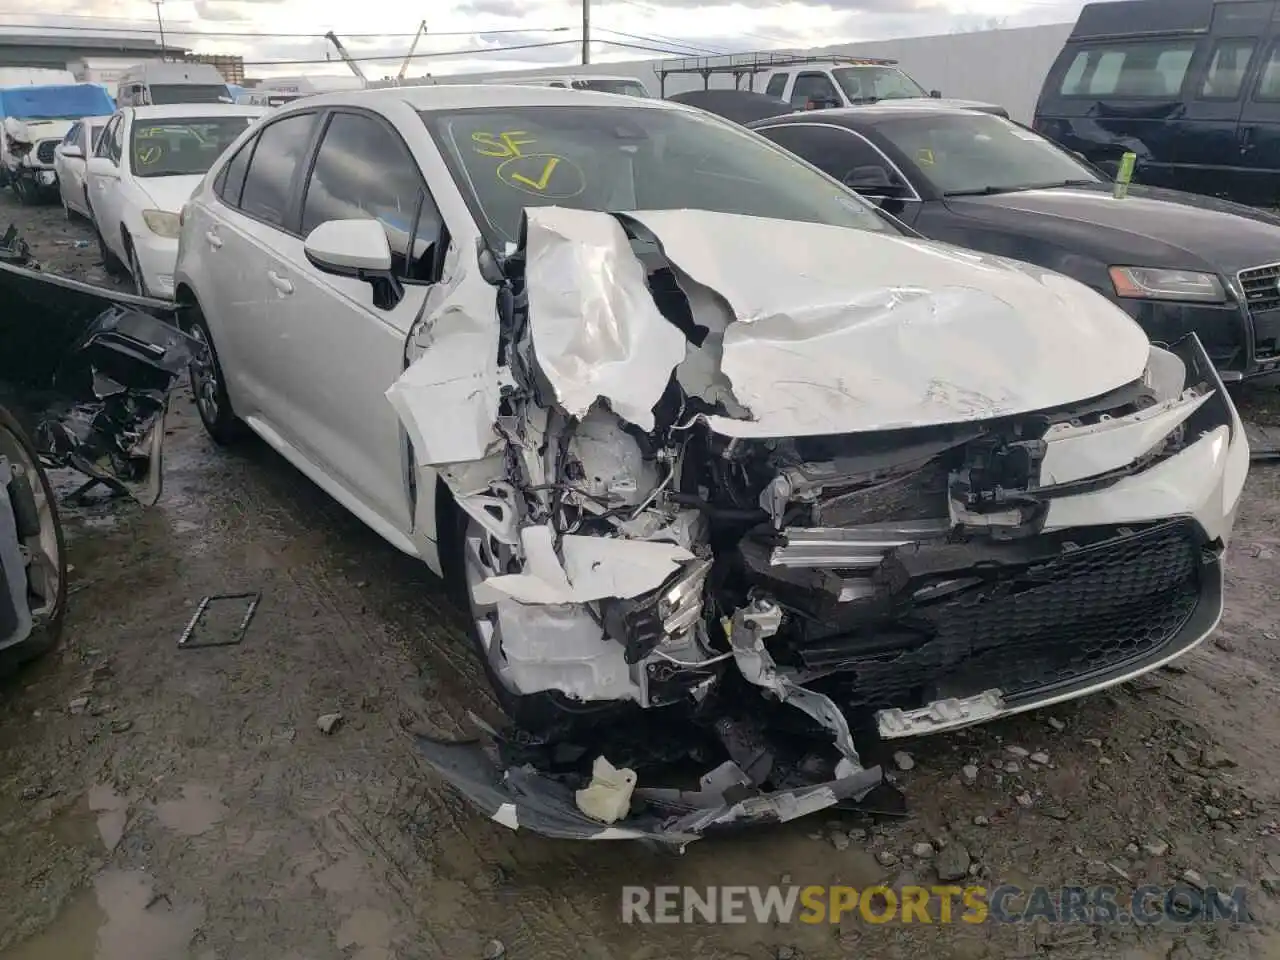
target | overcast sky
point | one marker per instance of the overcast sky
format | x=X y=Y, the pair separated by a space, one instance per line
x=688 y=26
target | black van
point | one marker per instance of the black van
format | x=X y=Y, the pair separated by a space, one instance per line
x=1192 y=87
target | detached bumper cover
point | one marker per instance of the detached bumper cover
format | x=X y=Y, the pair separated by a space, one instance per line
x=520 y=797
x=90 y=370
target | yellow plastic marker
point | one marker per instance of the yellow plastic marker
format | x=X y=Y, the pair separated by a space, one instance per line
x=1125 y=174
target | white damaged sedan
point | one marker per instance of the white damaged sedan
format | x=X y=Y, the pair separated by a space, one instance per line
x=725 y=464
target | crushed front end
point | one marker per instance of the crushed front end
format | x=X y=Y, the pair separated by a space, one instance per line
x=694 y=535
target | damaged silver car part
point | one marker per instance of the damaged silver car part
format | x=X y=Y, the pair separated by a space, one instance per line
x=91 y=370
x=899 y=557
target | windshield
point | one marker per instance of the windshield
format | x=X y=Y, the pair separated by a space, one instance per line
x=162 y=93
x=981 y=153
x=622 y=158
x=628 y=88
x=177 y=147
x=877 y=83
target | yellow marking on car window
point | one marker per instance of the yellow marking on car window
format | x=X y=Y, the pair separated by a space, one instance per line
x=925 y=155
x=504 y=146
x=146 y=156
x=545 y=175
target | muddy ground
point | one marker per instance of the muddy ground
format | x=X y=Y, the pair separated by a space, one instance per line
x=190 y=807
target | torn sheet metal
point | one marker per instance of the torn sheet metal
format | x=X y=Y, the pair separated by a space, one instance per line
x=447 y=398
x=521 y=798
x=594 y=568
x=596 y=329
x=92 y=370
x=1075 y=452
x=835 y=332
x=562 y=647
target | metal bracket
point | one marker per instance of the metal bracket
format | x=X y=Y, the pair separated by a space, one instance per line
x=237 y=635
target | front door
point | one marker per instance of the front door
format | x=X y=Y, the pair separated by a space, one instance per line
x=345 y=352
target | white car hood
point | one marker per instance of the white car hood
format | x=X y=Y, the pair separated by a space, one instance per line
x=825 y=329
x=169 y=193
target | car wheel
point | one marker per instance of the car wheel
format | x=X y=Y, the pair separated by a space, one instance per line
x=23 y=191
x=110 y=262
x=208 y=386
x=476 y=556
x=135 y=269
x=41 y=530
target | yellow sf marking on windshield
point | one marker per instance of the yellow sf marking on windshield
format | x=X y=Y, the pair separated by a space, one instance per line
x=541 y=183
x=504 y=146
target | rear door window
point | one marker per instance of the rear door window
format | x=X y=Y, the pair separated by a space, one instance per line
x=276 y=167
x=777 y=85
x=1131 y=70
x=1269 y=79
x=813 y=86
x=230 y=182
x=1228 y=65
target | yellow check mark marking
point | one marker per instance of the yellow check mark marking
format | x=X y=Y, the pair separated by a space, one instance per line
x=542 y=181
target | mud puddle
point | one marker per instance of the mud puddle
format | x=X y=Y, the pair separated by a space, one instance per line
x=120 y=917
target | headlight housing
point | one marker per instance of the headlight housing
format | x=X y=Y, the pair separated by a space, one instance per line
x=1152 y=283
x=162 y=223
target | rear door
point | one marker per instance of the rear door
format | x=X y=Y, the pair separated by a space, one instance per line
x=1207 y=134
x=1258 y=179
x=104 y=187
x=247 y=288
x=1120 y=96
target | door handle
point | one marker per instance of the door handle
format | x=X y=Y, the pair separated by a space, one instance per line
x=215 y=241
x=283 y=284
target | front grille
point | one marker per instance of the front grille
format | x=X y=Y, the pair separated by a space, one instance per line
x=1261 y=286
x=1089 y=610
x=44 y=150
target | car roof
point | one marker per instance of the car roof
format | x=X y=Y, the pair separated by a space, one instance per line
x=872 y=113
x=459 y=96
x=184 y=111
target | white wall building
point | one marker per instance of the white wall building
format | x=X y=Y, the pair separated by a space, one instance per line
x=996 y=66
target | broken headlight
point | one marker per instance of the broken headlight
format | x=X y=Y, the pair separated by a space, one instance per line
x=643 y=623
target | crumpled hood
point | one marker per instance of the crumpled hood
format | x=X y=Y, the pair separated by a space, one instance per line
x=829 y=329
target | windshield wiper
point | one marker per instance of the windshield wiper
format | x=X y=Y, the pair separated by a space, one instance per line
x=993 y=189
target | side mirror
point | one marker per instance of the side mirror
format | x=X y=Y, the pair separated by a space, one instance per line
x=872 y=178
x=71 y=150
x=101 y=166
x=936 y=94
x=358 y=249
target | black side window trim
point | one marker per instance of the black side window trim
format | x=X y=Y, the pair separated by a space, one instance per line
x=1273 y=53
x=293 y=209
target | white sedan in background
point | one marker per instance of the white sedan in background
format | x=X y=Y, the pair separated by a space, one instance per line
x=143 y=169
x=689 y=427
x=69 y=160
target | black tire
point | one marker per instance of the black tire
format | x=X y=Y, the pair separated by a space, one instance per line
x=22 y=190
x=15 y=444
x=135 y=269
x=110 y=262
x=212 y=402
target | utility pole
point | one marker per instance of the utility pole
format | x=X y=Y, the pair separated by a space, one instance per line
x=586 y=31
x=160 y=21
